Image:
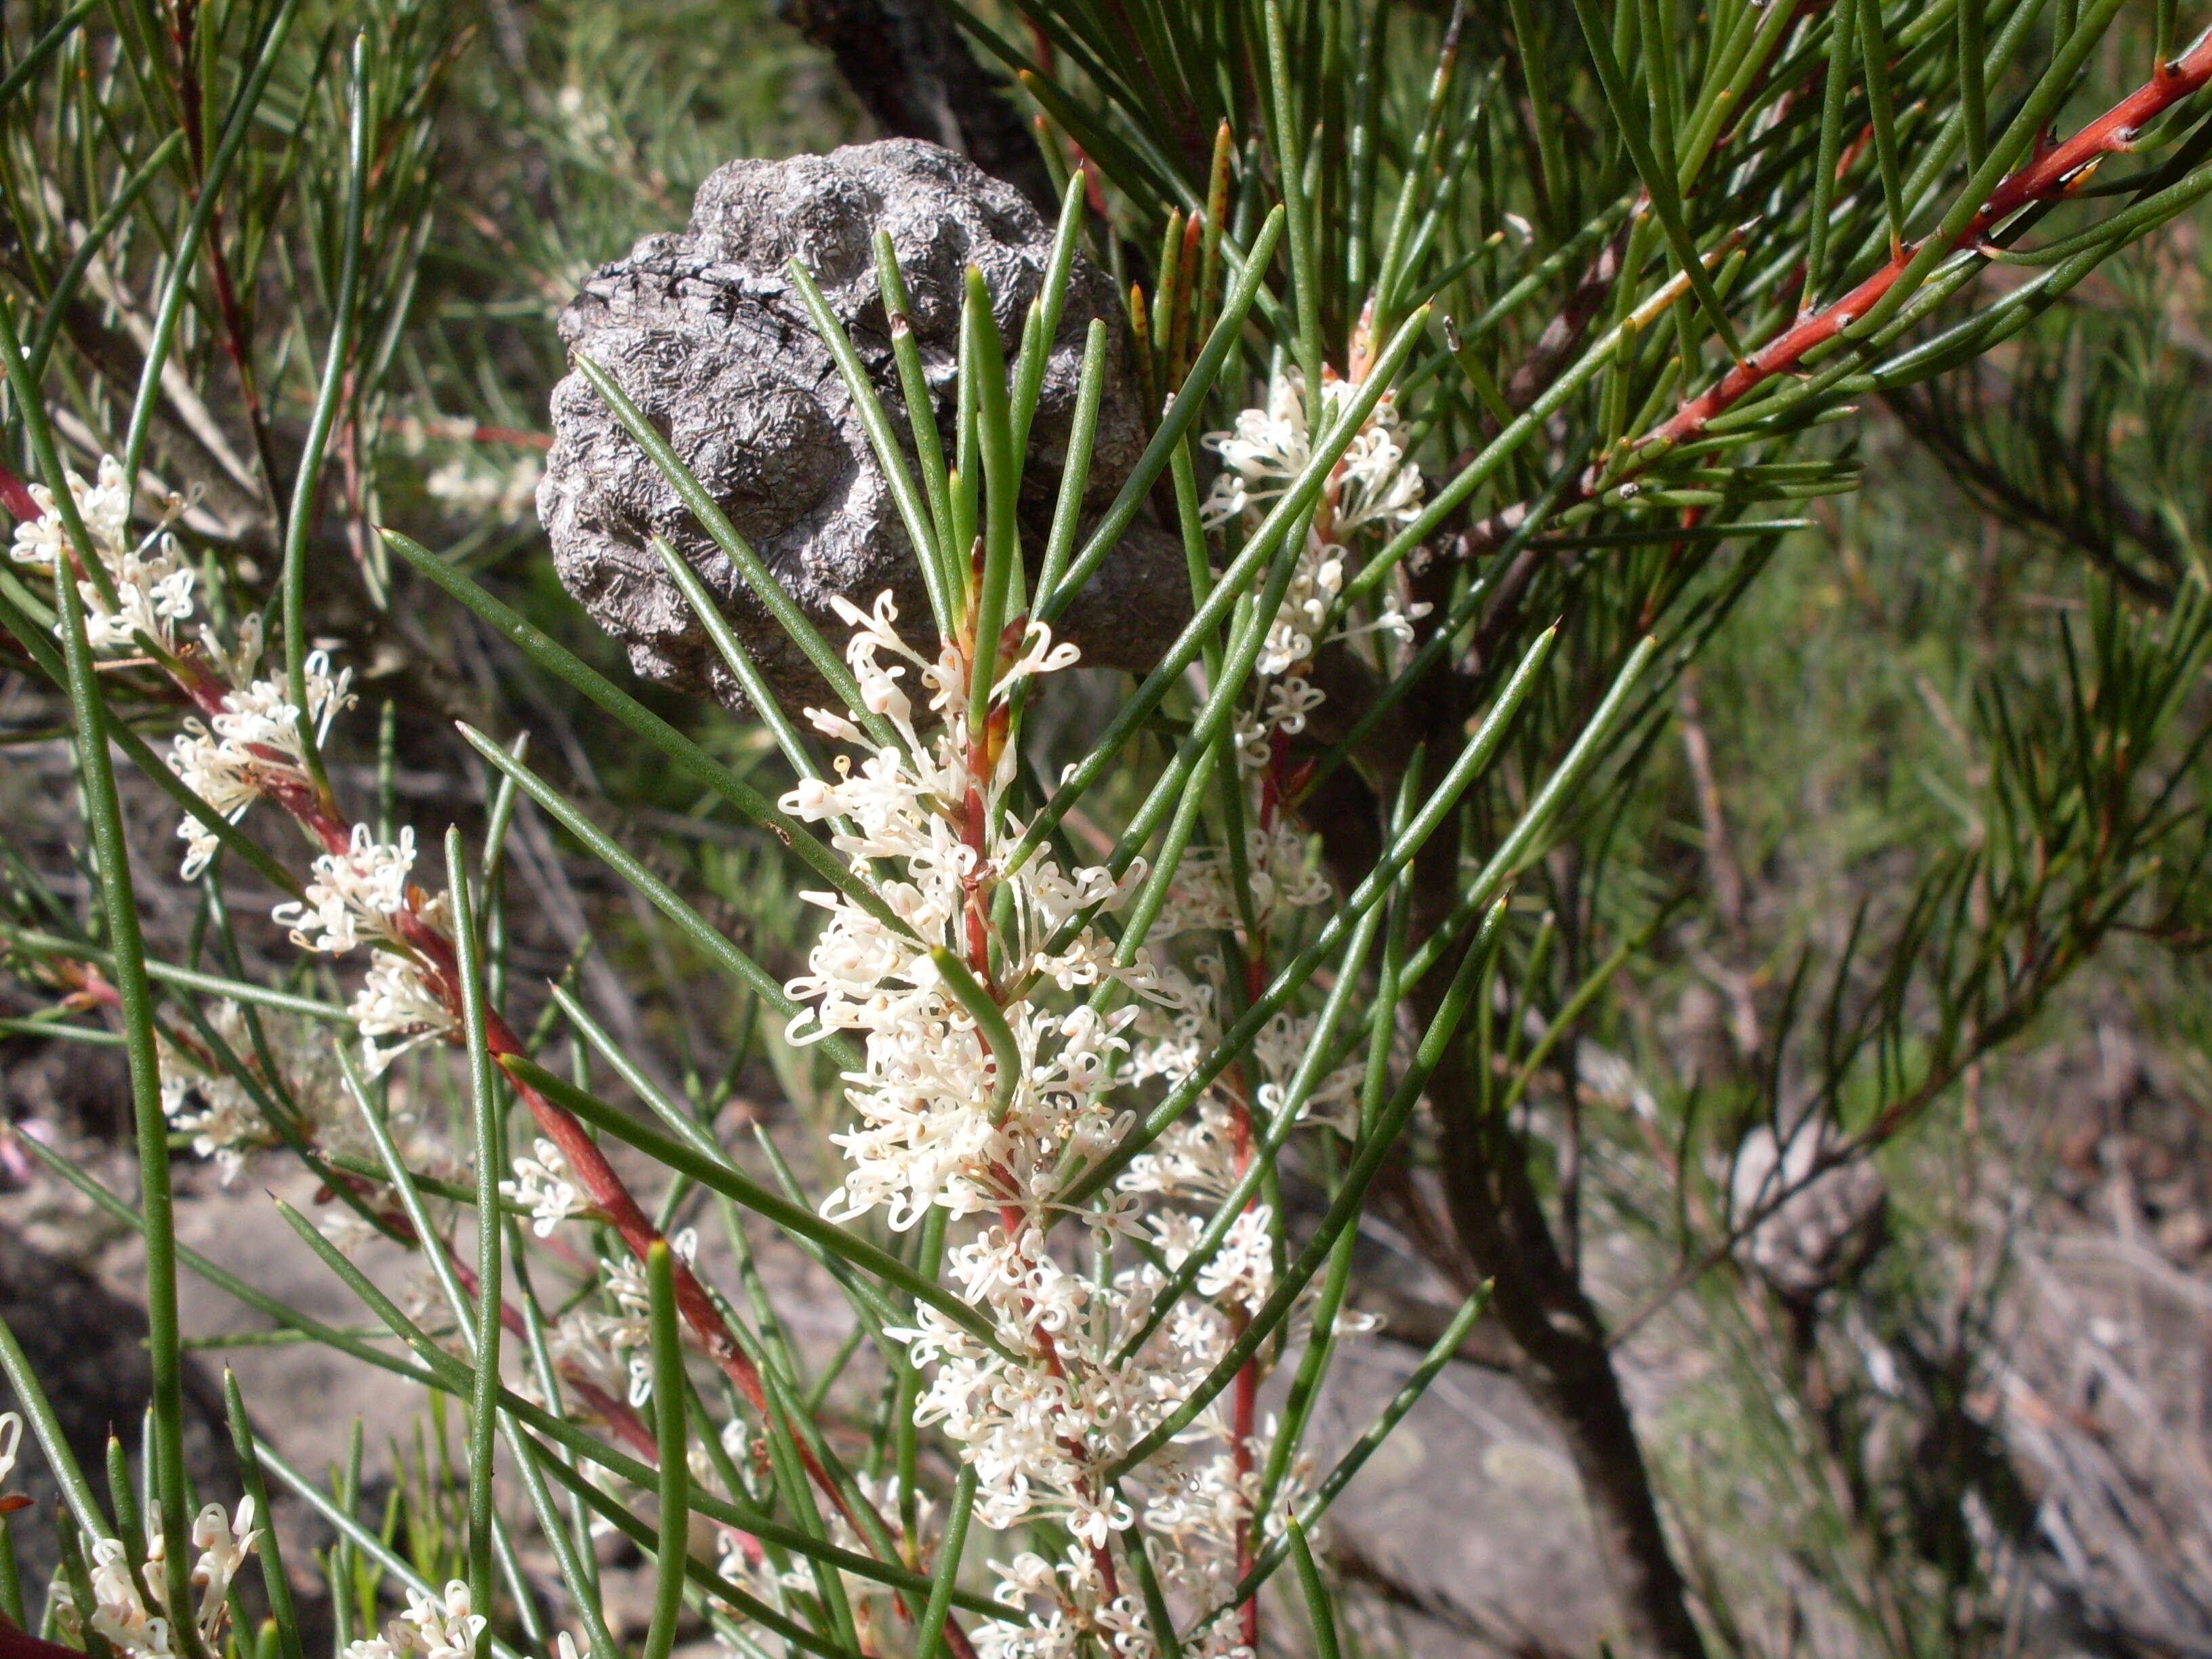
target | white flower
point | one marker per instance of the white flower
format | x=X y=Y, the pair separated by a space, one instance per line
x=1372 y=486
x=1038 y=655
x=11 y=1437
x=218 y=1110
x=234 y=664
x=153 y=593
x=433 y=1627
x=119 y=1610
x=1243 y=1270
x=1266 y=449
x=215 y=1109
x=470 y=485
x=153 y=584
x=104 y=507
x=359 y=890
x=441 y=1627
x=347 y=1230
x=549 y=1187
x=1263 y=451
x=224 y=1542
x=398 y=1000
x=251 y=745
x=226 y=1124
x=613 y=1349
x=1376 y=485
x=139 y=1622
x=624 y=1279
x=1289 y=703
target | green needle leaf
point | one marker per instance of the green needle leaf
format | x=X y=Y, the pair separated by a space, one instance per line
x=1344 y=1209
x=694 y=927
x=274 y=1585
x=1659 y=182
x=670 y=1412
x=491 y=1160
x=929 y=1636
x=991 y=1021
x=1320 y=1610
x=1440 y=1354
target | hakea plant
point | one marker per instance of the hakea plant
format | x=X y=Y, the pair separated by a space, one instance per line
x=986 y=1086
x=1081 y=1104
x=247 y=741
x=1008 y=1043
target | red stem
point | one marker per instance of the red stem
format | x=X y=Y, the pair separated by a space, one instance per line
x=183 y=29
x=2047 y=176
x=16 y=1643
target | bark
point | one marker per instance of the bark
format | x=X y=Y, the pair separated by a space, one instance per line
x=1562 y=1358
x=906 y=61
x=1560 y=1351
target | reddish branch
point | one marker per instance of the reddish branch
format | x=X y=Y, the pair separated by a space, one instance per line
x=317 y=812
x=988 y=735
x=2053 y=171
x=16 y=1643
x=236 y=341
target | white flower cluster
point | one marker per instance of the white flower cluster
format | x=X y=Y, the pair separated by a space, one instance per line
x=354 y=897
x=470 y=485
x=1196 y=1499
x=1266 y=449
x=396 y=1000
x=211 y=1105
x=1372 y=486
x=433 y=1627
x=153 y=583
x=1280 y=873
x=925 y=1136
x=351 y=893
x=1199 y=1494
x=138 y=1622
x=215 y=1107
x=613 y=1348
x=251 y=747
x=1041 y=1417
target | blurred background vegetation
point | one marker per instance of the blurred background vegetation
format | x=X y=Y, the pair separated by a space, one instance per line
x=1981 y=1411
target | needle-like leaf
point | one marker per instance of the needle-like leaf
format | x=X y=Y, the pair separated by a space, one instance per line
x=669 y=1396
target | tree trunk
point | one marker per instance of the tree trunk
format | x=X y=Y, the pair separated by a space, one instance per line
x=906 y=61
x=1561 y=1358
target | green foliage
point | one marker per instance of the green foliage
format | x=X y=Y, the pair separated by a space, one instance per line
x=1616 y=281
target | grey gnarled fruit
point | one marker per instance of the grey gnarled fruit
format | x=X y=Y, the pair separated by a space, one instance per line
x=706 y=331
